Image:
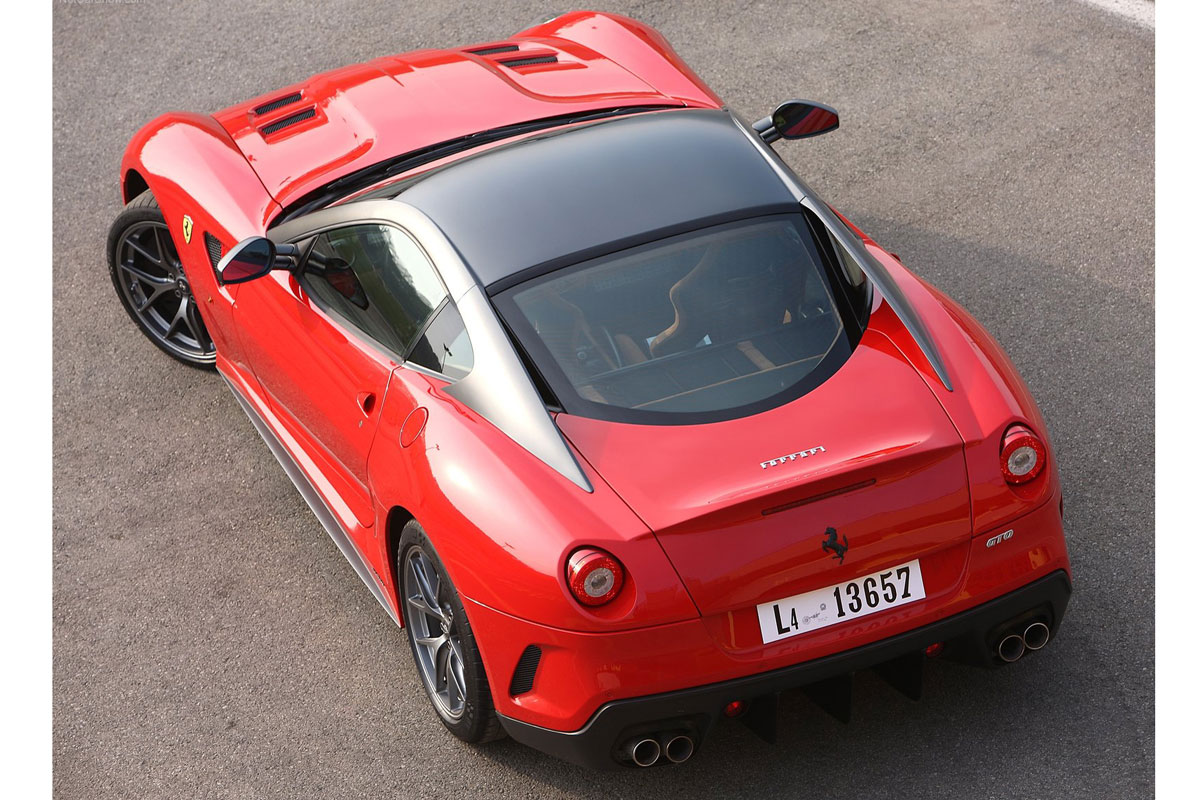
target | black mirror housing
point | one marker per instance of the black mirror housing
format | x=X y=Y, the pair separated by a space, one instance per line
x=797 y=119
x=249 y=260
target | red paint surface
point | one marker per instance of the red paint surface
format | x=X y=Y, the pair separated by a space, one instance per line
x=680 y=507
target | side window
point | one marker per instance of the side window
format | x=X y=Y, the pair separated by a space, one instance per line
x=856 y=285
x=445 y=346
x=850 y=268
x=377 y=279
x=856 y=280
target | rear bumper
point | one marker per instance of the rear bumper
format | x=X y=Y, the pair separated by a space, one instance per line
x=969 y=636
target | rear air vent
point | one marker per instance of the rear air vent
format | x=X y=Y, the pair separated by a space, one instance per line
x=213 y=245
x=493 y=49
x=525 y=62
x=278 y=102
x=522 y=679
x=279 y=125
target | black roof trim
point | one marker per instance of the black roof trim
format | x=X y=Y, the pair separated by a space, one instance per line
x=368 y=176
x=573 y=189
x=630 y=242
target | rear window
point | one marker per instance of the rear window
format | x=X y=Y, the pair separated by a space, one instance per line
x=707 y=325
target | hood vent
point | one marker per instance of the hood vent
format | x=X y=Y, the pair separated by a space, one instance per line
x=512 y=63
x=492 y=49
x=278 y=102
x=279 y=125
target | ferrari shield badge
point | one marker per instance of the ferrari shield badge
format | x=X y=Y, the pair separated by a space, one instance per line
x=187 y=229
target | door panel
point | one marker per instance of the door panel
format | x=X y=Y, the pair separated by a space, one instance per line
x=324 y=340
x=317 y=376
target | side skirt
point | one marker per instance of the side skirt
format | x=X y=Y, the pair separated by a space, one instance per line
x=315 y=502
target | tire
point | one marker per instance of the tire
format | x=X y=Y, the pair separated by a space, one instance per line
x=148 y=277
x=469 y=714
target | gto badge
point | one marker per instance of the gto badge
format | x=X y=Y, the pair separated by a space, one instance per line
x=792 y=456
x=187 y=229
x=833 y=546
x=1000 y=537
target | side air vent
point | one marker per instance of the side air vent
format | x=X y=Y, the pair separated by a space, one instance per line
x=213 y=245
x=278 y=102
x=525 y=62
x=493 y=49
x=279 y=125
x=522 y=679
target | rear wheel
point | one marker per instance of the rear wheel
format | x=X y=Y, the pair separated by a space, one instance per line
x=442 y=644
x=148 y=275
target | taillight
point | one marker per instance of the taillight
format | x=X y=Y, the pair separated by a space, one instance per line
x=1022 y=456
x=594 y=576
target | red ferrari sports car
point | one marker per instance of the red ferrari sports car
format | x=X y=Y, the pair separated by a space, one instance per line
x=626 y=426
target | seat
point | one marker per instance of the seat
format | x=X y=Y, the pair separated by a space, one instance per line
x=562 y=326
x=728 y=298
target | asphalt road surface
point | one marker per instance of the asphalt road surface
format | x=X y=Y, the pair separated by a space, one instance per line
x=210 y=640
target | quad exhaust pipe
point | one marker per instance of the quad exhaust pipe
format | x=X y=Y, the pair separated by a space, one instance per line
x=679 y=749
x=1011 y=648
x=1035 y=636
x=644 y=752
x=648 y=751
x=676 y=748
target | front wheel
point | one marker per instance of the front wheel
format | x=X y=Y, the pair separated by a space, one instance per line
x=443 y=646
x=148 y=275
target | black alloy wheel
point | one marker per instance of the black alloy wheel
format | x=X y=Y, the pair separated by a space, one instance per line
x=148 y=275
x=443 y=646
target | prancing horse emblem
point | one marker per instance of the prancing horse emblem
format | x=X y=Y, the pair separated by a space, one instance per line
x=831 y=544
x=187 y=229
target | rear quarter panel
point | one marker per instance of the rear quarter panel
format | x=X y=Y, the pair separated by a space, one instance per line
x=504 y=523
x=988 y=395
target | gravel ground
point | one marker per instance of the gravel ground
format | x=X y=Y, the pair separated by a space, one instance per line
x=209 y=639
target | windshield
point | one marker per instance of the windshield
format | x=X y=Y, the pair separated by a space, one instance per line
x=707 y=325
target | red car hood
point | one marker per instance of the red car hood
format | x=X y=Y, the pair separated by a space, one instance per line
x=308 y=134
x=884 y=467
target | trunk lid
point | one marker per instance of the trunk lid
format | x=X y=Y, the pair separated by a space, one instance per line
x=742 y=507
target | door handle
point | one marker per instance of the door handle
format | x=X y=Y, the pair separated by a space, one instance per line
x=366 y=402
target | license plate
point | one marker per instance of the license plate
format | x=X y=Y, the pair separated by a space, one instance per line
x=840 y=602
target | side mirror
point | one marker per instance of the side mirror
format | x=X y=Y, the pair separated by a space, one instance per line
x=249 y=259
x=797 y=119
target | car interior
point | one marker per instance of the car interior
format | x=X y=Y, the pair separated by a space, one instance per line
x=713 y=321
